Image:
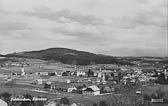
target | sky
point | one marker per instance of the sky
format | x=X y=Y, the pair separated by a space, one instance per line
x=110 y=27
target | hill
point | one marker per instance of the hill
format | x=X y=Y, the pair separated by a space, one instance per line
x=68 y=56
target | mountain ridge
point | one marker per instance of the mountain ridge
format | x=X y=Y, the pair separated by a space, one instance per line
x=68 y=56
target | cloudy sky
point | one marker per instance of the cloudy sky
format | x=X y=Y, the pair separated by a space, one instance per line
x=112 y=27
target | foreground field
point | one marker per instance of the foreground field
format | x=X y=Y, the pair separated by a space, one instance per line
x=87 y=100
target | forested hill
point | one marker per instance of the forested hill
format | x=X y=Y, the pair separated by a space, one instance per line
x=68 y=56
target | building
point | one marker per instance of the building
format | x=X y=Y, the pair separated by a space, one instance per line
x=166 y=72
x=92 y=90
x=80 y=73
x=74 y=104
x=42 y=73
x=63 y=87
x=38 y=81
x=58 y=73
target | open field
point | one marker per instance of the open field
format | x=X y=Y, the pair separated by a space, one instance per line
x=87 y=100
x=38 y=68
x=153 y=89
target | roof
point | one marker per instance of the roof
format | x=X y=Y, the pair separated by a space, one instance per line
x=74 y=104
x=3 y=103
x=61 y=85
x=94 y=88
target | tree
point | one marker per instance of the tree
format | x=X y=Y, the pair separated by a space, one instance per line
x=27 y=103
x=153 y=96
x=64 y=100
x=90 y=73
x=47 y=85
x=160 y=94
x=119 y=76
x=6 y=96
x=95 y=104
x=64 y=74
x=103 y=103
x=84 y=86
x=141 y=104
x=161 y=79
x=147 y=97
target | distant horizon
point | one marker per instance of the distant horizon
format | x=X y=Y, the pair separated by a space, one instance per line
x=79 y=50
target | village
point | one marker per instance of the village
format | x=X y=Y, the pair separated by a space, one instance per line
x=71 y=81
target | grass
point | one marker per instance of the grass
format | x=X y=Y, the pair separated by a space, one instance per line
x=38 y=68
x=19 y=90
x=153 y=89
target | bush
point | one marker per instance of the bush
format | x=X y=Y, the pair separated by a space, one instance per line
x=103 y=103
x=147 y=97
x=95 y=104
x=6 y=96
x=64 y=100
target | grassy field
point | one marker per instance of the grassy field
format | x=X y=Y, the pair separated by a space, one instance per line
x=87 y=100
x=153 y=89
x=38 y=68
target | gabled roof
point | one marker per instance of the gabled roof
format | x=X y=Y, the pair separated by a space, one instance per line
x=74 y=104
x=94 y=88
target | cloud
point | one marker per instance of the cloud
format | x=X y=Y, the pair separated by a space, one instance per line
x=77 y=29
x=12 y=26
x=13 y=30
x=126 y=51
x=68 y=23
x=64 y=16
x=132 y=27
x=149 y=13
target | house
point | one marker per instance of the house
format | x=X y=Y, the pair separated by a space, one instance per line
x=99 y=74
x=92 y=90
x=3 y=76
x=58 y=73
x=68 y=81
x=38 y=81
x=51 y=103
x=74 y=104
x=77 y=104
x=80 y=73
x=63 y=87
x=42 y=73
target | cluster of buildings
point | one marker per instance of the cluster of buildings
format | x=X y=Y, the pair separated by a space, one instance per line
x=104 y=78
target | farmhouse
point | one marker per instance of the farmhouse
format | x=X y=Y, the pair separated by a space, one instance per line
x=77 y=104
x=42 y=73
x=58 y=73
x=92 y=90
x=80 y=73
x=63 y=87
x=38 y=81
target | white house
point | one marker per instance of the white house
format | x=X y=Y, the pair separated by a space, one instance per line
x=99 y=74
x=68 y=81
x=41 y=73
x=71 y=89
x=39 y=81
x=80 y=73
x=74 y=104
x=93 y=90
